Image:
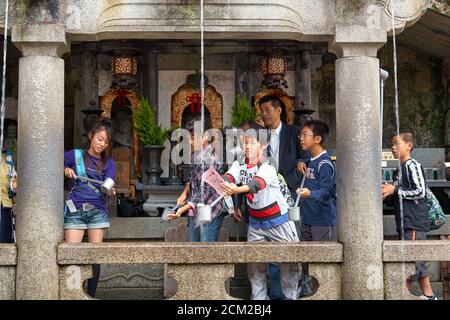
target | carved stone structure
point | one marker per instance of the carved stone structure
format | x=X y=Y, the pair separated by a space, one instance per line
x=353 y=30
x=188 y=97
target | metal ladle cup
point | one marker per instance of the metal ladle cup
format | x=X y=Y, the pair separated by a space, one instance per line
x=294 y=213
x=168 y=210
x=204 y=213
x=106 y=186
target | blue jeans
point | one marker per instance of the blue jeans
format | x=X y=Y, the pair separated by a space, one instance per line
x=208 y=233
x=275 y=283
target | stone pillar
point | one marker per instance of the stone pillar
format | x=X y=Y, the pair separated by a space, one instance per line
x=359 y=205
x=78 y=115
x=40 y=160
x=150 y=88
x=446 y=84
x=89 y=84
x=241 y=76
x=302 y=81
x=89 y=77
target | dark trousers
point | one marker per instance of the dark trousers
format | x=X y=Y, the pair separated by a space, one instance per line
x=6 y=226
x=315 y=233
x=421 y=268
x=92 y=283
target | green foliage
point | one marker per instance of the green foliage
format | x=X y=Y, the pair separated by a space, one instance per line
x=442 y=6
x=242 y=110
x=148 y=130
x=188 y=10
x=13 y=147
x=187 y=13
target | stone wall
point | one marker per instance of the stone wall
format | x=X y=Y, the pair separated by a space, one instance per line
x=323 y=86
x=421 y=96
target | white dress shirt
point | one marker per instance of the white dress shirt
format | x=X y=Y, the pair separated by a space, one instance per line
x=275 y=145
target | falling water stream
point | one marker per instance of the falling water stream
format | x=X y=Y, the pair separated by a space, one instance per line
x=397 y=113
x=397 y=121
x=5 y=48
x=202 y=88
x=2 y=109
x=202 y=102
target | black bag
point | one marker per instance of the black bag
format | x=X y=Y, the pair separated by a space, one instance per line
x=124 y=208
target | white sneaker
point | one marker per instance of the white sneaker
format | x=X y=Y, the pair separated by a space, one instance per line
x=424 y=297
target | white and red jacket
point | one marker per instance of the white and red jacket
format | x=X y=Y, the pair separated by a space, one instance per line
x=266 y=204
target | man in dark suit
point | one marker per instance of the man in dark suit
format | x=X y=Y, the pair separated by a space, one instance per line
x=284 y=151
x=284 y=147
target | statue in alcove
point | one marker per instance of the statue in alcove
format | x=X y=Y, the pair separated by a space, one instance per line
x=123 y=126
x=192 y=112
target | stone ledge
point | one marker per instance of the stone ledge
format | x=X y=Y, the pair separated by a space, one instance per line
x=153 y=228
x=8 y=255
x=390 y=228
x=196 y=253
x=410 y=251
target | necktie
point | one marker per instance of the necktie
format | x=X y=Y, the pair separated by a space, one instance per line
x=269 y=151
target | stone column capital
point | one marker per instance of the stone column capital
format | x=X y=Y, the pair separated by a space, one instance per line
x=362 y=27
x=355 y=49
x=40 y=39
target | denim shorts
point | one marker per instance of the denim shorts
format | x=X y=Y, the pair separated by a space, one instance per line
x=82 y=220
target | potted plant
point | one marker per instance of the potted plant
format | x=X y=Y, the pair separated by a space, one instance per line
x=152 y=137
x=242 y=111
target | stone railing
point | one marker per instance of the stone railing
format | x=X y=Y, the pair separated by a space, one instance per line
x=200 y=270
x=8 y=262
x=399 y=258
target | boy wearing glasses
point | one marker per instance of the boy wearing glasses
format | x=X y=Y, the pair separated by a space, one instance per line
x=318 y=196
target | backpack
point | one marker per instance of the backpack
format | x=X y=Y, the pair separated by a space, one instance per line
x=125 y=209
x=81 y=169
x=435 y=212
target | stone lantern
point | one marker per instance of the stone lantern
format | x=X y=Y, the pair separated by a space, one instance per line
x=274 y=67
x=124 y=68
